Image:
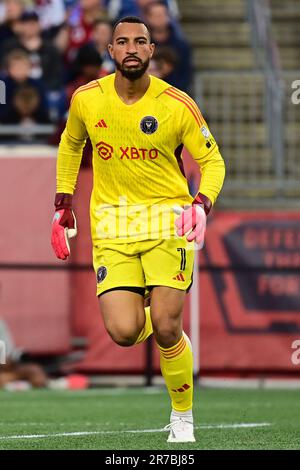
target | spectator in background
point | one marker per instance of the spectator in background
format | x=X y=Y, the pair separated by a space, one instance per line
x=78 y=30
x=165 y=60
x=46 y=63
x=120 y=8
x=12 y=12
x=52 y=15
x=88 y=66
x=26 y=109
x=165 y=34
x=101 y=37
x=153 y=68
x=69 y=5
x=17 y=75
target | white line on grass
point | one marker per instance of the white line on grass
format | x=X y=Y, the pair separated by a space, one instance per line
x=133 y=431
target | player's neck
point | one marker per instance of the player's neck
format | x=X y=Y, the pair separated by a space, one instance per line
x=131 y=91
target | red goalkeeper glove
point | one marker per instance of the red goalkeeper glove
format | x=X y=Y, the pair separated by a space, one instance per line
x=192 y=220
x=63 y=225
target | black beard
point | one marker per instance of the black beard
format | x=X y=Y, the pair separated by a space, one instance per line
x=133 y=74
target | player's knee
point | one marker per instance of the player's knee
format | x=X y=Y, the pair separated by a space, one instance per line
x=122 y=336
x=166 y=328
x=167 y=335
x=123 y=340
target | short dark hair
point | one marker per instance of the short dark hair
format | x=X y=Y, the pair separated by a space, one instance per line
x=88 y=55
x=29 y=16
x=131 y=19
x=16 y=54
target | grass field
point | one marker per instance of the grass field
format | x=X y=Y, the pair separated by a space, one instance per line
x=126 y=419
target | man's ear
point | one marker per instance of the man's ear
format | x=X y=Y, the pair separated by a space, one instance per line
x=152 y=48
x=110 y=50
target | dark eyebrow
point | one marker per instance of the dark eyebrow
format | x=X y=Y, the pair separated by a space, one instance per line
x=137 y=38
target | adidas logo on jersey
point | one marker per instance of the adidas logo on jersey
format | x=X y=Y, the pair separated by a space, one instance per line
x=179 y=277
x=101 y=123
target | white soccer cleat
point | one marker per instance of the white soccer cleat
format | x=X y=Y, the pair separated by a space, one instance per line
x=181 y=430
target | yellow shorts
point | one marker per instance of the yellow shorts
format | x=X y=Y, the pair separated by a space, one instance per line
x=144 y=264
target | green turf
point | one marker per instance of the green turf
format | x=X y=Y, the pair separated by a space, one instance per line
x=118 y=410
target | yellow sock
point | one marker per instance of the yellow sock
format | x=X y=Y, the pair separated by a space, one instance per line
x=147 y=329
x=176 y=365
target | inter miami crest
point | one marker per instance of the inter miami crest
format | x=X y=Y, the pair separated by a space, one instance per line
x=101 y=274
x=149 y=124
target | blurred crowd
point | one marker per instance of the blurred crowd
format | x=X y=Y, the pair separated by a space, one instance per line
x=50 y=47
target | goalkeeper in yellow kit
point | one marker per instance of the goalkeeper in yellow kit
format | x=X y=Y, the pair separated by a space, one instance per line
x=138 y=125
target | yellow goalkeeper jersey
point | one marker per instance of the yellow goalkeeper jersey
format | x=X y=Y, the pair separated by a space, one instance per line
x=137 y=165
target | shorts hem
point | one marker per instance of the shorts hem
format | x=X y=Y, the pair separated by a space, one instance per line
x=115 y=287
x=166 y=284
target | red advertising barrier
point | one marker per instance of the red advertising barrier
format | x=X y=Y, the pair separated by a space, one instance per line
x=34 y=301
x=250 y=291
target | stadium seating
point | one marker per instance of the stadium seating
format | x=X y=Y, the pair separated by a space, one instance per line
x=231 y=90
x=220 y=33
